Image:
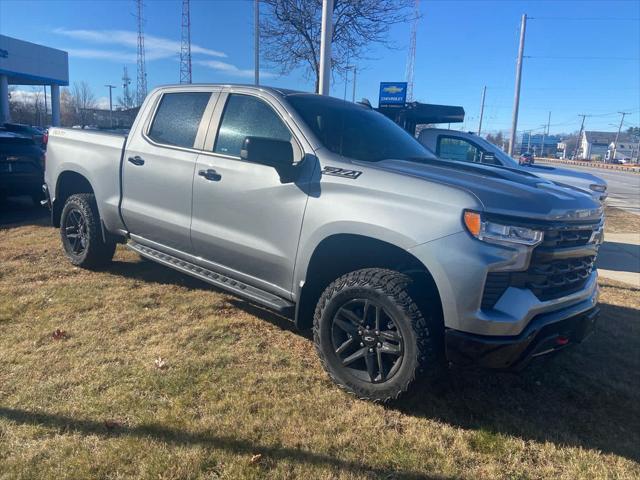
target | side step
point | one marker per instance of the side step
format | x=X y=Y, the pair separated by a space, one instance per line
x=241 y=289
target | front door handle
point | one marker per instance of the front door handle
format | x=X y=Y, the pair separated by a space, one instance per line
x=210 y=174
x=136 y=160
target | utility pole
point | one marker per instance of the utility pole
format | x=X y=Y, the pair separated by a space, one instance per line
x=516 y=99
x=615 y=143
x=484 y=92
x=256 y=41
x=545 y=132
x=110 y=87
x=346 y=78
x=353 y=93
x=575 y=152
x=325 y=47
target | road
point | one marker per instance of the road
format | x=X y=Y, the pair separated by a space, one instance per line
x=624 y=187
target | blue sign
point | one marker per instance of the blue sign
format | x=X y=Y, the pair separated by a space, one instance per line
x=392 y=93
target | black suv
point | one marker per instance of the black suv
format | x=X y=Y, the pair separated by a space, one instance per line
x=21 y=166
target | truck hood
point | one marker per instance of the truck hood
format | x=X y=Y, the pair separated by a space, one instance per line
x=563 y=175
x=504 y=191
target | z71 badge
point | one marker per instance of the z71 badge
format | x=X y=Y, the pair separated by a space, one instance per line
x=341 y=172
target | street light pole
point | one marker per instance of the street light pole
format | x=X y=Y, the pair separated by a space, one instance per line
x=484 y=92
x=353 y=93
x=325 y=47
x=110 y=87
x=256 y=40
x=516 y=99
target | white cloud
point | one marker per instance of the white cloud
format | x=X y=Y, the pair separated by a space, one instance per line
x=102 y=55
x=155 y=47
x=231 y=69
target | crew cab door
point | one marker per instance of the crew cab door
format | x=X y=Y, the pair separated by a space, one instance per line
x=158 y=167
x=246 y=220
x=455 y=148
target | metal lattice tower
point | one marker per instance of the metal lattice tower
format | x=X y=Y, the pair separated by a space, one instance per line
x=141 y=86
x=185 y=48
x=411 y=58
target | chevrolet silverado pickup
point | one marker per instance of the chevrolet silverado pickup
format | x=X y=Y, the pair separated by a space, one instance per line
x=328 y=213
x=468 y=147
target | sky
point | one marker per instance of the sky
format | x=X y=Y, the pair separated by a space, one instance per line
x=581 y=57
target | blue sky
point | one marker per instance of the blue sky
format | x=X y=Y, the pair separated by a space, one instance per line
x=461 y=46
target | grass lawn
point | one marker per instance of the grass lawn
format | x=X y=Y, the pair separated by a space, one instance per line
x=156 y=375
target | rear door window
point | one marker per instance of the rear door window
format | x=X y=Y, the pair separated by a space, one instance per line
x=457 y=149
x=178 y=118
x=247 y=116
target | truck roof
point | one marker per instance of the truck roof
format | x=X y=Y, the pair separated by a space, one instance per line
x=276 y=90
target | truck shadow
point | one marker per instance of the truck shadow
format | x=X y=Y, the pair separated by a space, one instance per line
x=585 y=397
x=22 y=211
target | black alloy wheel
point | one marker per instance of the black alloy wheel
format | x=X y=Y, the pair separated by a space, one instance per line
x=367 y=340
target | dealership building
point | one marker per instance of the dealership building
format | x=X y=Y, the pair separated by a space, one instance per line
x=26 y=63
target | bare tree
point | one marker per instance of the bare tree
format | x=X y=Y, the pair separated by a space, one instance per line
x=83 y=100
x=290 y=31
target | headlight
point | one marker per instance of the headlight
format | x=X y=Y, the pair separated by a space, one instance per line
x=500 y=233
x=596 y=187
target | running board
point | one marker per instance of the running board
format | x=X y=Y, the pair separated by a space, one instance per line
x=241 y=289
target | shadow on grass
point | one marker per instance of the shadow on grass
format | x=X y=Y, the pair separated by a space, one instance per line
x=19 y=211
x=207 y=439
x=587 y=396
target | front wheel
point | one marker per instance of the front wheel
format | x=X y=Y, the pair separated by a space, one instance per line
x=81 y=234
x=372 y=338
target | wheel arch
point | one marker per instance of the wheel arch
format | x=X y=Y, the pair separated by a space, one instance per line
x=338 y=254
x=68 y=183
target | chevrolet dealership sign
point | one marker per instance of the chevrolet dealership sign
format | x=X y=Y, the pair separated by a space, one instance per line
x=392 y=93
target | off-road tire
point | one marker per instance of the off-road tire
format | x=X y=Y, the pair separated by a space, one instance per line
x=421 y=334
x=94 y=252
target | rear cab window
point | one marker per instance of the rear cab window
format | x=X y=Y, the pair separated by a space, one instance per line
x=178 y=117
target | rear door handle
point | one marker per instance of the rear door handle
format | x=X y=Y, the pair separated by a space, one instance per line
x=136 y=160
x=210 y=174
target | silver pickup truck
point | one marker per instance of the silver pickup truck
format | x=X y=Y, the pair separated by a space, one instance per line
x=331 y=214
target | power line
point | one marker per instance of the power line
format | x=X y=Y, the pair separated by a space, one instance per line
x=581 y=58
x=599 y=19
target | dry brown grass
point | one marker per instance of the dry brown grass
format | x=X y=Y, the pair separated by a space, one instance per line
x=239 y=382
x=619 y=221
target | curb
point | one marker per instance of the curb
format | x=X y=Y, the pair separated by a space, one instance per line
x=590 y=164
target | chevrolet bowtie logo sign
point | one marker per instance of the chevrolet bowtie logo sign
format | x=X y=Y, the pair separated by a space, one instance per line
x=392 y=93
x=392 y=89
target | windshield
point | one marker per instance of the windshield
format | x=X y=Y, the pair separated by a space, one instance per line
x=355 y=131
x=504 y=158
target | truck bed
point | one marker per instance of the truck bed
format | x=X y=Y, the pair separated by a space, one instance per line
x=95 y=154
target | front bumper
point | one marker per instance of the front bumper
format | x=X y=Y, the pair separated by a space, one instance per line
x=545 y=334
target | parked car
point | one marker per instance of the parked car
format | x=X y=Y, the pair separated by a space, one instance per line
x=21 y=166
x=468 y=147
x=329 y=213
x=527 y=158
x=37 y=134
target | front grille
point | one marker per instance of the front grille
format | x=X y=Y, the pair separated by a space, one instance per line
x=566 y=238
x=549 y=275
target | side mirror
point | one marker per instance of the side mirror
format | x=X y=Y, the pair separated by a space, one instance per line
x=268 y=151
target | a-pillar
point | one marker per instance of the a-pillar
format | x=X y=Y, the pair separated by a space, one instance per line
x=55 y=105
x=4 y=99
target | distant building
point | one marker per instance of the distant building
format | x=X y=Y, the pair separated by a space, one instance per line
x=595 y=145
x=533 y=144
x=101 y=118
x=627 y=149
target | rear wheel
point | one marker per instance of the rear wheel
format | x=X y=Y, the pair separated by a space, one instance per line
x=372 y=338
x=81 y=234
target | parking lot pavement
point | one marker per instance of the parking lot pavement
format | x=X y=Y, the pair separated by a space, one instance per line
x=619 y=258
